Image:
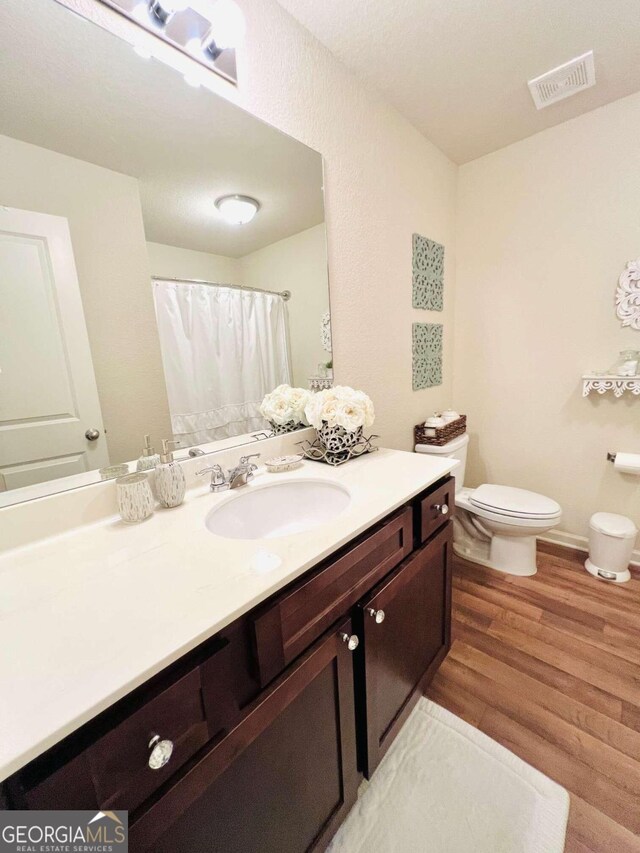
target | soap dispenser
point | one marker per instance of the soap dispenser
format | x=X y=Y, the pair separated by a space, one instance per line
x=149 y=459
x=170 y=480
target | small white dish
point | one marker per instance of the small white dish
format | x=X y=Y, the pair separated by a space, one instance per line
x=277 y=464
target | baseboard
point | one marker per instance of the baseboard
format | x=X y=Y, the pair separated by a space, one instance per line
x=577 y=543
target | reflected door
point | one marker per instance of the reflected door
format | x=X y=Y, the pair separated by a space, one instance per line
x=48 y=393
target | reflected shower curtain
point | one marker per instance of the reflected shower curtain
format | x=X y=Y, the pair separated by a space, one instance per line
x=223 y=349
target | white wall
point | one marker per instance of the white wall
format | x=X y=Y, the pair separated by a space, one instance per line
x=298 y=264
x=383 y=181
x=105 y=220
x=546 y=226
x=175 y=262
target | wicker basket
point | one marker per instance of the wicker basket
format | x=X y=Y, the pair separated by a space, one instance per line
x=443 y=435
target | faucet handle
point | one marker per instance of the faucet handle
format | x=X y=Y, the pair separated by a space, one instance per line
x=218 y=479
x=216 y=472
x=244 y=460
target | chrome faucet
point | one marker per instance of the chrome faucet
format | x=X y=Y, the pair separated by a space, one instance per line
x=240 y=475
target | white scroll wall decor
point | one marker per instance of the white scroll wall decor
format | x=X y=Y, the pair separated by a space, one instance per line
x=628 y=295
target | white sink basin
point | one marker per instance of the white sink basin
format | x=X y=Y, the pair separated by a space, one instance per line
x=278 y=509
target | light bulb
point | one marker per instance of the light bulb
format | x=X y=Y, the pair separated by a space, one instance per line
x=173 y=6
x=140 y=11
x=227 y=25
x=237 y=209
x=194 y=46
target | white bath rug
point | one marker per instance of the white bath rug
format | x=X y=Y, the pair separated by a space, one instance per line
x=445 y=787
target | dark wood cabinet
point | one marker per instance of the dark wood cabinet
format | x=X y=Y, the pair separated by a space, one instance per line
x=284 y=628
x=274 y=719
x=435 y=509
x=119 y=761
x=404 y=628
x=281 y=781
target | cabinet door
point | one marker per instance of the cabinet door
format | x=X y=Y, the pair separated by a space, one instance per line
x=405 y=628
x=281 y=781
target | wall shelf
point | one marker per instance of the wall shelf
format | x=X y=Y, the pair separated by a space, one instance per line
x=617 y=384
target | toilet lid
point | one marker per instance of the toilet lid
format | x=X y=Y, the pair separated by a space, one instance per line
x=514 y=502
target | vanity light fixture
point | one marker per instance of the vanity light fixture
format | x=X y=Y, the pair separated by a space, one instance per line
x=208 y=31
x=164 y=10
x=237 y=209
x=227 y=28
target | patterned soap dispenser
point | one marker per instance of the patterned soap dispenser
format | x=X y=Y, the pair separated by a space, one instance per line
x=149 y=459
x=170 y=481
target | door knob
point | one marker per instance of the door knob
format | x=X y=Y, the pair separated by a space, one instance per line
x=443 y=509
x=378 y=615
x=92 y=434
x=161 y=751
x=352 y=641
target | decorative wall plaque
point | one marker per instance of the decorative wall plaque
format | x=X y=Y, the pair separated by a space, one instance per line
x=428 y=273
x=628 y=295
x=427 y=355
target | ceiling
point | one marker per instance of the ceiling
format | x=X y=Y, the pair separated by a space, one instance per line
x=67 y=85
x=458 y=69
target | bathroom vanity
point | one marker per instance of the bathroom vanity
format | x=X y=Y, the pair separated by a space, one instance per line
x=258 y=737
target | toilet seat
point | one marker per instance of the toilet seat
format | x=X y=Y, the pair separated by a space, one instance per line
x=508 y=502
x=466 y=498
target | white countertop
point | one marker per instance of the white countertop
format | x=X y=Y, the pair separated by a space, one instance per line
x=89 y=615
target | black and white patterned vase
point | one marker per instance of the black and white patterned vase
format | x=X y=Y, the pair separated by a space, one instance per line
x=281 y=429
x=337 y=441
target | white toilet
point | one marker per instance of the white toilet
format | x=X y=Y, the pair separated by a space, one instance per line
x=496 y=526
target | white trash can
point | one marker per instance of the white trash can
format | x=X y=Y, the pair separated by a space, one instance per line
x=611 y=541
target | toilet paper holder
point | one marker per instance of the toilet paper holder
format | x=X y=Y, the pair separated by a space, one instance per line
x=625 y=463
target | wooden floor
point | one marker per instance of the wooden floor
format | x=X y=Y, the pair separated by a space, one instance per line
x=549 y=666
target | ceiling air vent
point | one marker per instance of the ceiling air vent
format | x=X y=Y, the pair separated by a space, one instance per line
x=563 y=81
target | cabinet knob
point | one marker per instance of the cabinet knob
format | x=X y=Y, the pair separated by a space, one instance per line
x=378 y=615
x=352 y=641
x=443 y=509
x=161 y=751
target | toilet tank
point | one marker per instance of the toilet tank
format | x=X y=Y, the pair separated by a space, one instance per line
x=457 y=449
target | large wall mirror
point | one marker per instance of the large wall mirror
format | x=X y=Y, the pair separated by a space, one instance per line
x=132 y=304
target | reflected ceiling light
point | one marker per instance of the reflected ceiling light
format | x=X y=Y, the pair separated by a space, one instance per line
x=237 y=209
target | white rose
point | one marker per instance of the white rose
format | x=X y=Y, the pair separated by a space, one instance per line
x=283 y=405
x=340 y=406
x=298 y=399
x=350 y=415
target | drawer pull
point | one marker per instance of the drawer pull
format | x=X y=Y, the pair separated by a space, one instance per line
x=352 y=641
x=443 y=509
x=161 y=751
x=378 y=615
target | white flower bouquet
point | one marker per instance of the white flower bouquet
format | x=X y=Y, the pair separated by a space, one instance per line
x=284 y=408
x=340 y=407
x=339 y=415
